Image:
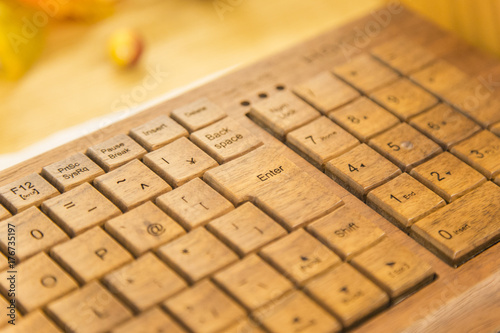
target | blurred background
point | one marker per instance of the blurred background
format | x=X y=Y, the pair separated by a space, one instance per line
x=64 y=62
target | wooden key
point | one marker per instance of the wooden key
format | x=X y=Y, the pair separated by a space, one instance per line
x=363 y=118
x=365 y=73
x=253 y=282
x=405 y=146
x=243 y=326
x=203 y=308
x=4 y=213
x=35 y=232
x=246 y=229
x=144 y=282
x=89 y=309
x=320 y=141
x=404 y=200
x=445 y=125
x=495 y=129
x=475 y=100
x=29 y=191
x=394 y=268
x=158 y=132
x=80 y=209
x=299 y=256
x=497 y=180
x=4 y=264
x=154 y=320
x=325 y=92
x=197 y=255
x=194 y=204
x=131 y=185
x=225 y=140
x=198 y=114
x=143 y=228
x=10 y=318
x=403 y=55
x=361 y=170
x=346 y=231
x=90 y=255
x=347 y=294
x=36 y=321
x=39 y=280
x=282 y=113
x=71 y=172
x=482 y=152
x=404 y=98
x=448 y=176
x=439 y=77
x=296 y=313
x=272 y=181
x=179 y=162
x=464 y=228
x=115 y=152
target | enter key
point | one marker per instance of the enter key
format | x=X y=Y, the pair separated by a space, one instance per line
x=463 y=228
x=276 y=185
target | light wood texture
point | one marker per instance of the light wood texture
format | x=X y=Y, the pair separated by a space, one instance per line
x=448 y=176
x=144 y=282
x=131 y=185
x=464 y=227
x=29 y=191
x=365 y=73
x=403 y=55
x=320 y=141
x=299 y=256
x=245 y=325
x=404 y=200
x=143 y=228
x=445 y=125
x=115 y=152
x=495 y=129
x=348 y=294
x=253 y=282
x=35 y=232
x=71 y=172
x=80 y=209
x=4 y=264
x=346 y=231
x=40 y=280
x=4 y=213
x=297 y=313
x=198 y=114
x=157 y=132
x=246 y=229
x=481 y=151
x=90 y=255
x=154 y=320
x=194 y=204
x=363 y=118
x=404 y=98
x=405 y=146
x=34 y=322
x=225 y=140
x=203 y=308
x=197 y=255
x=361 y=170
x=282 y=113
x=325 y=92
x=461 y=297
x=394 y=268
x=439 y=77
x=179 y=162
x=268 y=179
x=89 y=309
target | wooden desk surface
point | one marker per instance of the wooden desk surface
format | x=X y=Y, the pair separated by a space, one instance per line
x=186 y=40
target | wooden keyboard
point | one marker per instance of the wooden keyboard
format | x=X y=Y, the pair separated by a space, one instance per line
x=349 y=183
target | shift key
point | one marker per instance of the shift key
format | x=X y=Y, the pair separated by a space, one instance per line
x=463 y=228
